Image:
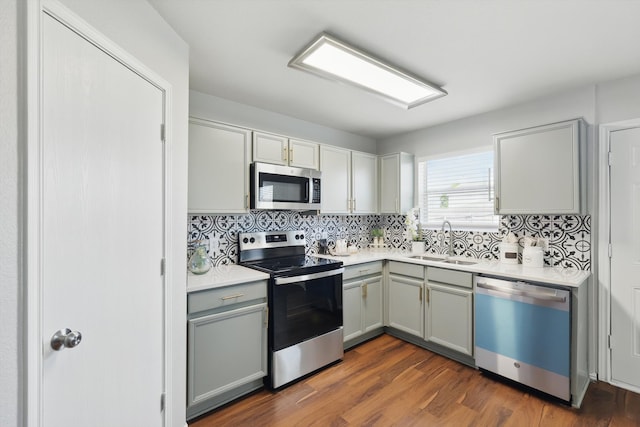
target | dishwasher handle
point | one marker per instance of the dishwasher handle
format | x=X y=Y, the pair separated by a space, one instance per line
x=517 y=292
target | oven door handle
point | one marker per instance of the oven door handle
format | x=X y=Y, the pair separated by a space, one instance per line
x=305 y=277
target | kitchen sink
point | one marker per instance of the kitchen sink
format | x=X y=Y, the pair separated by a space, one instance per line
x=459 y=262
x=443 y=260
x=427 y=258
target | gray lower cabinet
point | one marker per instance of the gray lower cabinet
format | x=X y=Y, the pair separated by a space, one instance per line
x=449 y=309
x=405 y=304
x=227 y=345
x=362 y=302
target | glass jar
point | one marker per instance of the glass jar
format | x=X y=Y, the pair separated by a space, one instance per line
x=199 y=263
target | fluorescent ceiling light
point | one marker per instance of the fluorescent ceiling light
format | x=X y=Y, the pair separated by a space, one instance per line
x=335 y=60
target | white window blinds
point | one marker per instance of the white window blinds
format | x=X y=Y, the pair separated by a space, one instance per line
x=458 y=189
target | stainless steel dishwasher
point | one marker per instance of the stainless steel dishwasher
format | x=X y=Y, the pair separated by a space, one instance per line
x=523 y=332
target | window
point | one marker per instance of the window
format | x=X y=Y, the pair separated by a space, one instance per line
x=459 y=189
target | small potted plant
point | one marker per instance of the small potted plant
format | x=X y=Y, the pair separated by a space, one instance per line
x=414 y=230
x=377 y=237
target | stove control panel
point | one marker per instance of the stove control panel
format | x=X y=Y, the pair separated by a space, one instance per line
x=271 y=239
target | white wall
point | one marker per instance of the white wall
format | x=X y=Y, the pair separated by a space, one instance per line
x=618 y=100
x=218 y=109
x=10 y=349
x=476 y=131
x=137 y=28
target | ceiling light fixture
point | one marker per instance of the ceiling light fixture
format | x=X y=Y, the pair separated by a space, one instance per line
x=333 y=59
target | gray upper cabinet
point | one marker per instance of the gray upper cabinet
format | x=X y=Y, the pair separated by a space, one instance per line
x=335 y=164
x=280 y=150
x=538 y=170
x=364 y=183
x=219 y=158
x=396 y=183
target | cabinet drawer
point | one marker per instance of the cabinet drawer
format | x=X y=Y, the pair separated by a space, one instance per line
x=228 y=295
x=452 y=277
x=406 y=269
x=361 y=270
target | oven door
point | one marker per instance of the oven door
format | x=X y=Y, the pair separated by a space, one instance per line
x=304 y=307
x=283 y=187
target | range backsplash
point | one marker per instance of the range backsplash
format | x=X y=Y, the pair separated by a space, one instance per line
x=569 y=235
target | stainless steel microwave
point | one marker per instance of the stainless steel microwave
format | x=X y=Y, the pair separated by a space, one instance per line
x=284 y=187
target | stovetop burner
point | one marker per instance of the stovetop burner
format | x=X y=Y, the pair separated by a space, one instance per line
x=292 y=264
x=280 y=253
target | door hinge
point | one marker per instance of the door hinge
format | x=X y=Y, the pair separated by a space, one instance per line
x=162 y=266
x=162 y=401
x=610 y=250
x=162 y=132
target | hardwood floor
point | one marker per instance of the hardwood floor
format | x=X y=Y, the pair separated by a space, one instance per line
x=387 y=382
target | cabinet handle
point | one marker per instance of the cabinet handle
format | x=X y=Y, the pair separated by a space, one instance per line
x=231 y=297
x=246 y=201
x=290 y=154
x=363 y=272
x=266 y=316
x=353 y=209
x=427 y=291
x=364 y=290
x=284 y=154
x=420 y=295
x=497 y=204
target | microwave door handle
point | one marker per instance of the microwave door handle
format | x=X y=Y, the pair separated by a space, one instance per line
x=306 y=194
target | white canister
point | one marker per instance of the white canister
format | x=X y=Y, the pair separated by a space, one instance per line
x=417 y=247
x=532 y=256
x=509 y=253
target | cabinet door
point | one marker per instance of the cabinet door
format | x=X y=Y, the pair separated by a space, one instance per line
x=270 y=148
x=538 y=170
x=335 y=164
x=405 y=304
x=304 y=154
x=364 y=181
x=389 y=183
x=352 y=309
x=218 y=168
x=372 y=303
x=450 y=317
x=226 y=350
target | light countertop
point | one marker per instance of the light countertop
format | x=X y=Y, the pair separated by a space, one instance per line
x=223 y=275
x=227 y=275
x=569 y=277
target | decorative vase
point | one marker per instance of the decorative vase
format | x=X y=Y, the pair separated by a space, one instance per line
x=199 y=263
x=417 y=247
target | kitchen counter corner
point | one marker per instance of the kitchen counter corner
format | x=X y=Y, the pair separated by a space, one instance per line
x=223 y=275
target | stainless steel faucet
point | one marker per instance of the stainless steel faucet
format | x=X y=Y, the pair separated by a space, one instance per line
x=450 y=252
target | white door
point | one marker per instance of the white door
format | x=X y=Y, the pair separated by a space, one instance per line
x=625 y=260
x=102 y=237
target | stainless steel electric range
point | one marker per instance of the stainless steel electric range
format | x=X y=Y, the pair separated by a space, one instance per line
x=304 y=300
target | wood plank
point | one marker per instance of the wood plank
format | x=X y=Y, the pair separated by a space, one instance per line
x=387 y=381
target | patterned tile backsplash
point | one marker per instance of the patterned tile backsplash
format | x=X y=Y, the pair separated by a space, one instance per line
x=569 y=236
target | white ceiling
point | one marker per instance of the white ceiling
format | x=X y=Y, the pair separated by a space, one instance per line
x=487 y=54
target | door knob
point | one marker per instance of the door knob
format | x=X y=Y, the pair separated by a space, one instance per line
x=65 y=338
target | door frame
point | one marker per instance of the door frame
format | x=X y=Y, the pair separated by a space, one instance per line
x=604 y=262
x=35 y=337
